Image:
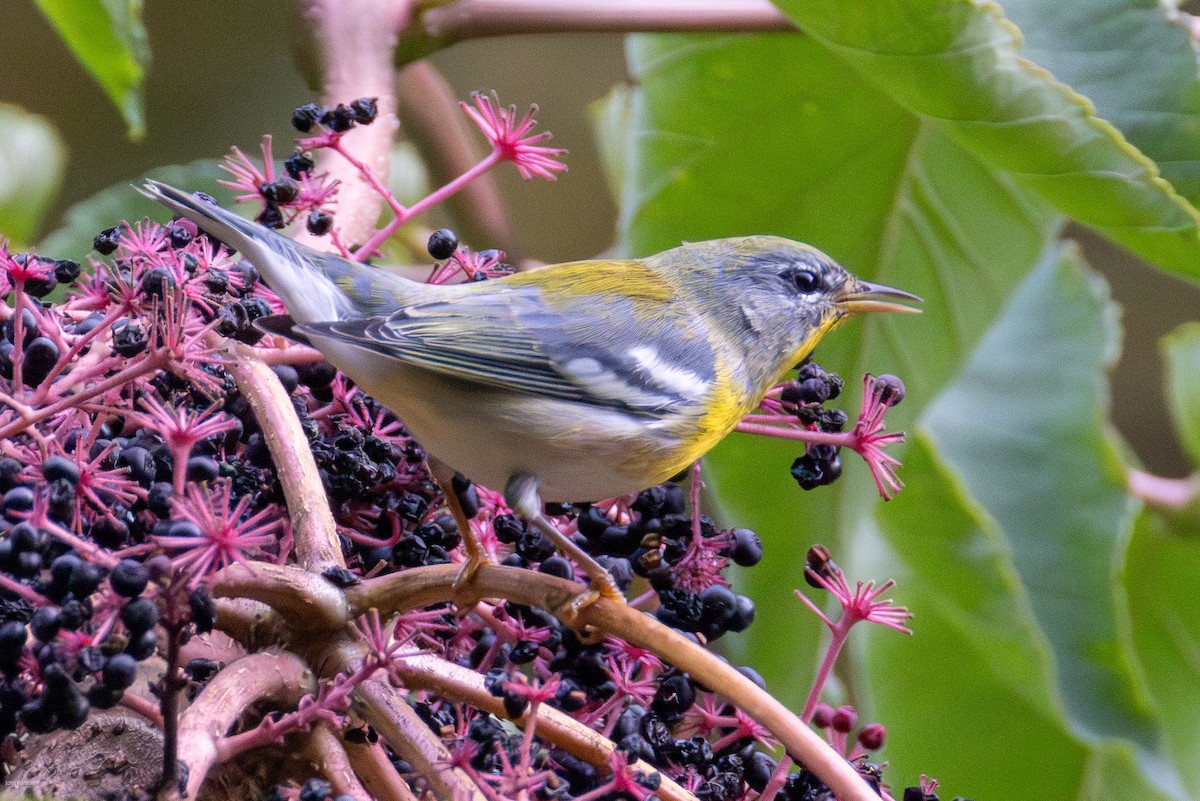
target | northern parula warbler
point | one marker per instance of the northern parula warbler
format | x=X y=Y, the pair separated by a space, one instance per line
x=576 y=381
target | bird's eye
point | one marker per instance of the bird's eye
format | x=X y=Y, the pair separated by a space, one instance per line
x=805 y=281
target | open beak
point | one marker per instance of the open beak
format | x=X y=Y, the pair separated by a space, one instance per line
x=863 y=296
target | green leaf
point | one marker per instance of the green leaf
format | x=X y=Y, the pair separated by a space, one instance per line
x=32 y=160
x=106 y=208
x=108 y=38
x=958 y=65
x=1181 y=354
x=1136 y=61
x=1024 y=426
x=969 y=698
x=737 y=135
x=1160 y=578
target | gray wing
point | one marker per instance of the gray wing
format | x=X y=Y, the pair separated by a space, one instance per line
x=600 y=353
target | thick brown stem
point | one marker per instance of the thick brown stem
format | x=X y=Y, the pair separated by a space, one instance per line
x=420 y=587
x=457 y=683
x=274 y=675
x=312 y=522
x=443 y=25
x=305 y=600
x=385 y=709
x=377 y=774
x=324 y=748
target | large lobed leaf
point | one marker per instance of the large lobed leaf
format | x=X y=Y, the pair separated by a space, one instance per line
x=920 y=146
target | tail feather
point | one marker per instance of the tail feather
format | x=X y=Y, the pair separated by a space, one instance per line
x=304 y=278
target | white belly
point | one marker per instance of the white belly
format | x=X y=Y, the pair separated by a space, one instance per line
x=490 y=437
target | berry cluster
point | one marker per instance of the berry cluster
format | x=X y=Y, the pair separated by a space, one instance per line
x=136 y=481
x=804 y=397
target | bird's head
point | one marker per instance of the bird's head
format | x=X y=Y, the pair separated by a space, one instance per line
x=776 y=295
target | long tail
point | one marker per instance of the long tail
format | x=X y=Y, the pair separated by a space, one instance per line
x=309 y=282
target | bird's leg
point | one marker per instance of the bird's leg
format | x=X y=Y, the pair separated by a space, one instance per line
x=523 y=497
x=477 y=557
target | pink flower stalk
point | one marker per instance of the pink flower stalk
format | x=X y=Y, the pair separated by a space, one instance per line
x=224 y=532
x=858 y=605
x=181 y=430
x=625 y=781
x=511 y=140
x=871 y=441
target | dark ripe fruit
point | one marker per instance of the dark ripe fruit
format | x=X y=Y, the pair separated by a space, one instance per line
x=119 y=672
x=25 y=537
x=201 y=670
x=316 y=375
x=515 y=705
x=12 y=641
x=37 y=717
x=283 y=190
x=66 y=271
x=819 y=560
x=339 y=576
x=270 y=216
x=157 y=282
x=297 y=164
x=890 y=389
x=40 y=356
x=59 y=466
x=180 y=233
x=85 y=579
x=812 y=390
x=508 y=528
x=442 y=243
x=718 y=604
x=747 y=548
x=216 y=282
x=467 y=494
x=29 y=327
x=365 y=109
x=140 y=463
x=319 y=222
x=412 y=507
x=754 y=676
x=158 y=501
x=139 y=615
x=758 y=771
x=743 y=616
x=143 y=645
x=202 y=468
x=100 y=697
x=338 y=119
x=129 y=338
x=556 y=566
x=46 y=622
x=305 y=117
x=203 y=609
x=674 y=697
x=18 y=500
x=129 y=578
x=10 y=473
x=106 y=241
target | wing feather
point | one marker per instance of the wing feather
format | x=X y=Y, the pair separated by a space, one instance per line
x=602 y=353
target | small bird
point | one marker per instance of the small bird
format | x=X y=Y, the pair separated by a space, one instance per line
x=572 y=382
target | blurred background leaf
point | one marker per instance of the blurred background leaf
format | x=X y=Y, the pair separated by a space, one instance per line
x=32 y=161
x=108 y=38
